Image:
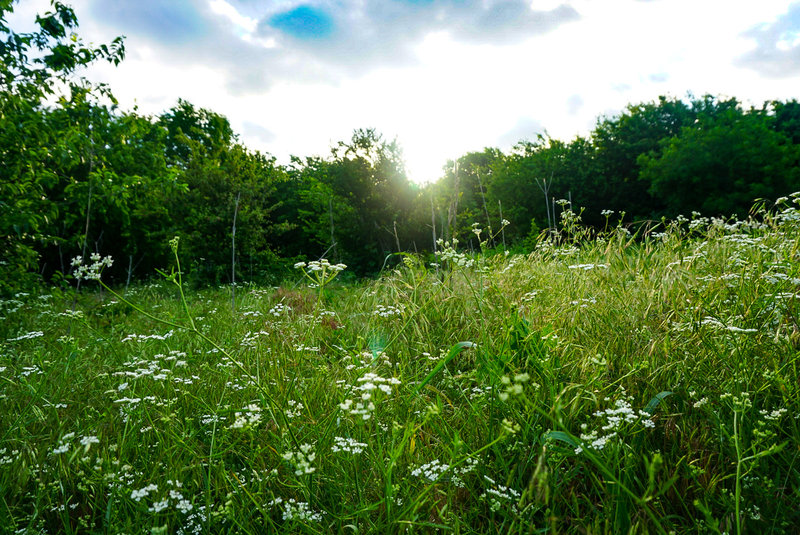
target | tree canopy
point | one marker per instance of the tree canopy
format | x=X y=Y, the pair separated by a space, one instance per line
x=80 y=176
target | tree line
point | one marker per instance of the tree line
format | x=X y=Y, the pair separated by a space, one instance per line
x=79 y=176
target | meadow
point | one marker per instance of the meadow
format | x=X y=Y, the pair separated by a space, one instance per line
x=603 y=383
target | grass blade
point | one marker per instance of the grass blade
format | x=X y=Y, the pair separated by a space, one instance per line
x=455 y=350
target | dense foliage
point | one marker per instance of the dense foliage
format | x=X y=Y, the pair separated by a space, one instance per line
x=80 y=176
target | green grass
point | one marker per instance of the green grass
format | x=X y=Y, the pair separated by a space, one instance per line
x=610 y=385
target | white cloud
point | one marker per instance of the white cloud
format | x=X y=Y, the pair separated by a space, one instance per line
x=221 y=7
x=445 y=79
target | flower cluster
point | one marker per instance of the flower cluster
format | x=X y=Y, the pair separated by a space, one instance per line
x=584 y=302
x=64 y=443
x=27 y=336
x=587 y=267
x=137 y=495
x=514 y=388
x=386 y=311
x=302 y=459
x=174 y=496
x=347 y=445
x=294 y=510
x=713 y=323
x=448 y=253
x=320 y=272
x=369 y=384
x=431 y=471
x=294 y=409
x=460 y=471
x=247 y=418
x=93 y=270
x=617 y=419
x=145 y=337
x=280 y=310
x=497 y=495
x=250 y=338
x=321 y=265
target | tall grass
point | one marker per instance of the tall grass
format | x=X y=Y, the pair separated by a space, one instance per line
x=600 y=384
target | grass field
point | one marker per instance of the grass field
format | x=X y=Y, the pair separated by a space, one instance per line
x=603 y=384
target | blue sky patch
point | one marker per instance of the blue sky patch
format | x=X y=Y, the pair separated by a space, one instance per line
x=303 y=22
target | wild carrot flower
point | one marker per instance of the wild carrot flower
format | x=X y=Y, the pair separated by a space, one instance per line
x=294 y=510
x=347 y=445
x=93 y=270
x=431 y=471
x=302 y=459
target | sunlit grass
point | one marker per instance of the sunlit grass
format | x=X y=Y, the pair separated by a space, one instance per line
x=610 y=384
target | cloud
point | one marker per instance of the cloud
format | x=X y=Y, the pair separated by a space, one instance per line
x=777 y=50
x=196 y=33
x=254 y=44
x=574 y=104
x=167 y=22
x=256 y=131
x=357 y=36
x=526 y=128
x=658 y=77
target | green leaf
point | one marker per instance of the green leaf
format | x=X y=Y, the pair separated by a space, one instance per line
x=561 y=436
x=653 y=403
x=455 y=350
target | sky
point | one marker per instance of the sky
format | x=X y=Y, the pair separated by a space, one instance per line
x=443 y=77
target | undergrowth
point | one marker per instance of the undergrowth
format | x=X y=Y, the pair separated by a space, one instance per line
x=600 y=384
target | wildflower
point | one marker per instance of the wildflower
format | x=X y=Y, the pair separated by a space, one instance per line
x=773 y=415
x=347 y=445
x=295 y=408
x=27 y=336
x=61 y=448
x=431 y=471
x=514 y=388
x=137 y=495
x=497 y=495
x=369 y=383
x=145 y=337
x=90 y=272
x=279 y=310
x=386 y=311
x=159 y=506
x=87 y=442
x=247 y=418
x=618 y=419
x=302 y=459
x=294 y=510
x=184 y=506
x=587 y=267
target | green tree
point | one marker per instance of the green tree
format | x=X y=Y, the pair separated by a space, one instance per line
x=224 y=180
x=722 y=164
x=619 y=141
x=36 y=66
x=461 y=196
x=372 y=194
